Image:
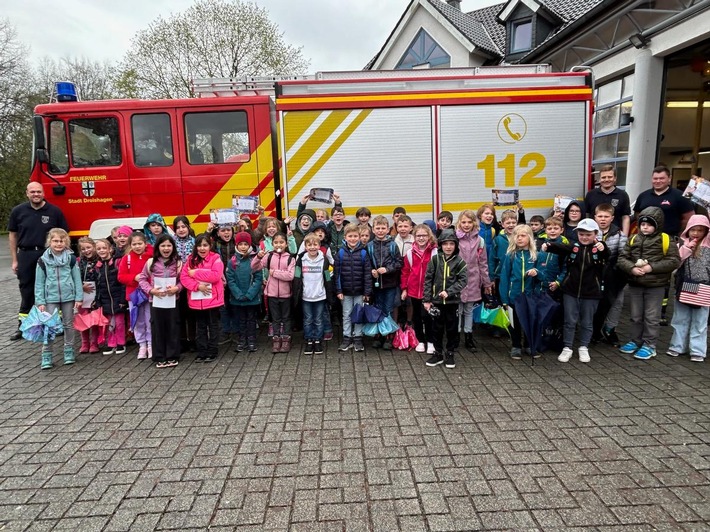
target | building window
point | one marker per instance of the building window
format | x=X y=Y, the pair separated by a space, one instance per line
x=521 y=38
x=424 y=51
x=611 y=139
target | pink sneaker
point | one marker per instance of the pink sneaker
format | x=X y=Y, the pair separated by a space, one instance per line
x=142 y=351
x=150 y=350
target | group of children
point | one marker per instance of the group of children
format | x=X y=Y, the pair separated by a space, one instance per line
x=175 y=291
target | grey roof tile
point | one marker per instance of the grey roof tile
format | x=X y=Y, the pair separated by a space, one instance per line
x=471 y=28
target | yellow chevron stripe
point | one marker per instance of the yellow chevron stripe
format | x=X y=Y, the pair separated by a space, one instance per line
x=295 y=128
x=436 y=96
x=315 y=141
x=344 y=135
x=235 y=184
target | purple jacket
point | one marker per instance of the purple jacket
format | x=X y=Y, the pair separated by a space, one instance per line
x=145 y=281
x=472 y=249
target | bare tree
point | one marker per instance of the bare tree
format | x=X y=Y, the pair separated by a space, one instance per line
x=15 y=119
x=213 y=38
x=94 y=80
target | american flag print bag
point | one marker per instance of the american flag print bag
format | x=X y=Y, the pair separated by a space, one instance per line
x=694 y=293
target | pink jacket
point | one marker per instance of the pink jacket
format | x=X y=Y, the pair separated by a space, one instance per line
x=210 y=270
x=696 y=219
x=414 y=270
x=472 y=249
x=281 y=268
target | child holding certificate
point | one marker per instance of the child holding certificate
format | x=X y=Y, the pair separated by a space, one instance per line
x=160 y=279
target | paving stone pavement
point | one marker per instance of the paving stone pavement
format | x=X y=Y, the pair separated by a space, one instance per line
x=373 y=441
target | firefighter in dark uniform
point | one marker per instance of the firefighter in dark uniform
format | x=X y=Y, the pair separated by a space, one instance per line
x=28 y=226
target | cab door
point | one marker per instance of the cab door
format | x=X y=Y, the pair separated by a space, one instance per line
x=155 y=183
x=217 y=158
x=87 y=157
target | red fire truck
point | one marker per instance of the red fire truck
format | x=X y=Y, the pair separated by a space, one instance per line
x=425 y=140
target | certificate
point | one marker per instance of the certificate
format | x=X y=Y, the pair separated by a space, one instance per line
x=197 y=295
x=88 y=299
x=505 y=197
x=223 y=216
x=246 y=204
x=163 y=283
x=322 y=195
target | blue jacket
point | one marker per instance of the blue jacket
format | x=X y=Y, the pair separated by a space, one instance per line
x=551 y=267
x=500 y=250
x=244 y=284
x=488 y=233
x=513 y=276
x=59 y=281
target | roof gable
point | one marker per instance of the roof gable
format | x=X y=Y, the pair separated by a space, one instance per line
x=469 y=27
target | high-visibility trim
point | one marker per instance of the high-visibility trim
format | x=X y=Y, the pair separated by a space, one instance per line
x=474 y=205
x=469 y=95
x=78 y=233
x=296 y=128
x=223 y=198
x=306 y=147
x=328 y=153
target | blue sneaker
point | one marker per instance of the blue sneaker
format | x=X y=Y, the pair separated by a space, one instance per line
x=645 y=352
x=629 y=348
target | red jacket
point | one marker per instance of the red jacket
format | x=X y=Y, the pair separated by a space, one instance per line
x=130 y=266
x=210 y=270
x=414 y=269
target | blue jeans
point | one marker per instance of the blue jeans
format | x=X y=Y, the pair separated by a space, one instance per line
x=578 y=310
x=348 y=303
x=690 y=330
x=384 y=299
x=313 y=319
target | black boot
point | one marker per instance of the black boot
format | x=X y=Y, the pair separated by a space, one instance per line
x=469 y=343
x=17 y=335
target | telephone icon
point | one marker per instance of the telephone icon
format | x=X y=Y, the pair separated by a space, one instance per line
x=512 y=128
x=506 y=126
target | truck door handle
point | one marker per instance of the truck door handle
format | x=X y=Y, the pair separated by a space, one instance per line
x=118 y=206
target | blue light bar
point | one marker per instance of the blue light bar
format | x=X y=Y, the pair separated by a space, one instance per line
x=66 y=91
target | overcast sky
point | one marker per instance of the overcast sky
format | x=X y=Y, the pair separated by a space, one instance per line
x=334 y=34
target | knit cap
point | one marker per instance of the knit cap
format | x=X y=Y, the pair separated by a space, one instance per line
x=242 y=236
x=125 y=230
x=649 y=220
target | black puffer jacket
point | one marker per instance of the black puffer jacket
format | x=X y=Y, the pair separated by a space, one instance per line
x=87 y=269
x=110 y=294
x=353 y=271
x=445 y=274
x=585 y=269
x=385 y=254
x=650 y=248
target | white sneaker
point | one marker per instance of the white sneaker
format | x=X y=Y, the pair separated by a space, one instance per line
x=430 y=349
x=149 y=351
x=142 y=352
x=565 y=355
x=583 y=354
x=421 y=347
